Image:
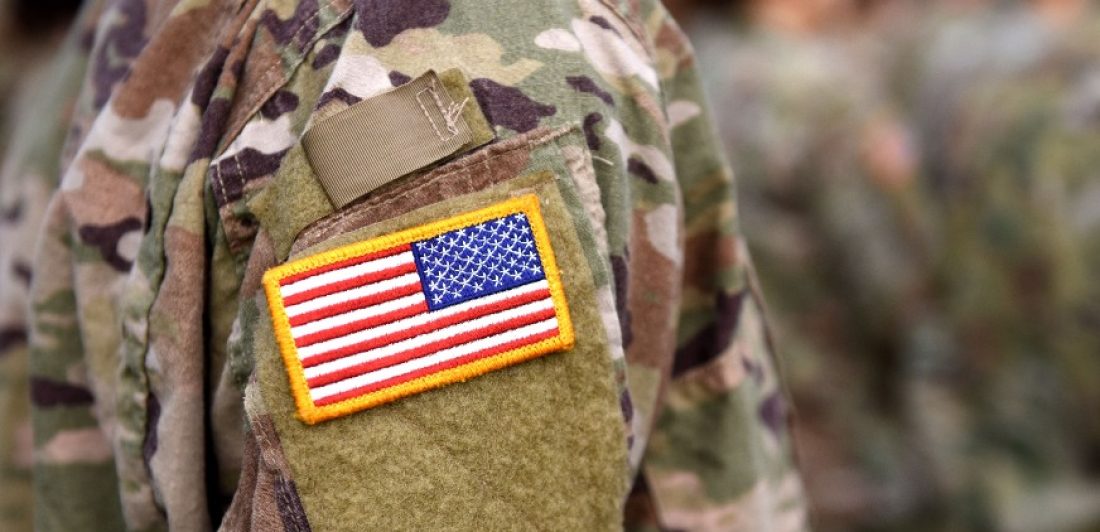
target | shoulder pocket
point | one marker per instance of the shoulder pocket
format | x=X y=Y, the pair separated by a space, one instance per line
x=535 y=439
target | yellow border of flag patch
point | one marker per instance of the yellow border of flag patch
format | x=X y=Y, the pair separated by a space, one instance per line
x=311 y=413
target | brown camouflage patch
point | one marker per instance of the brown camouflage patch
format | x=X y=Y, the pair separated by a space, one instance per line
x=107 y=195
x=165 y=66
x=585 y=84
x=653 y=279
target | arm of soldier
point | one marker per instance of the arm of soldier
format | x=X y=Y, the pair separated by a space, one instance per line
x=58 y=435
x=720 y=454
x=15 y=440
x=28 y=176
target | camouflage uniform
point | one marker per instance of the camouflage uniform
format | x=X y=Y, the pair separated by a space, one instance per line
x=160 y=401
x=826 y=184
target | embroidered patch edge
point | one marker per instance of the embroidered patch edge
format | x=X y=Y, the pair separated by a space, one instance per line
x=311 y=414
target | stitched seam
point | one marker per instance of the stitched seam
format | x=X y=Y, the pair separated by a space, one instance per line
x=338 y=217
x=266 y=78
x=218 y=177
x=266 y=94
x=316 y=14
x=227 y=43
x=306 y=24
x=240 y=172
x=221 y=184
x=450 y=113
x=425 y=110
x=435 y=96
x=453 y=114
x=542 y=139
x=443 y=111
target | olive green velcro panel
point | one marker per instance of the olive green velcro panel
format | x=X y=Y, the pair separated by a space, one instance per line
x=536 y=446
x=293 y=201
x=390 y=135
x=298 y=195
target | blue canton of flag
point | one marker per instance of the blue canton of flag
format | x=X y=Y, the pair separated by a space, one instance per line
x=479 y=260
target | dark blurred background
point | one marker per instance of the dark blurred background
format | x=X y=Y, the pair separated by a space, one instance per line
x=30 y=33
x=919 y=182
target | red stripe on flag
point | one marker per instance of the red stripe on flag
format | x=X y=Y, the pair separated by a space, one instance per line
x=439 y=323
x=430 y=348
x=353 y=282
x=354 y=304
x=344 y=264
x=436 y=368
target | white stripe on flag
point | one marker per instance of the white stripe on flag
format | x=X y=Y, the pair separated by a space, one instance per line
x=441 y=356
x=349 y=272
x=423 y=339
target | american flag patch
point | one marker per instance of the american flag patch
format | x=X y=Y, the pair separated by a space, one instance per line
x=374 y=321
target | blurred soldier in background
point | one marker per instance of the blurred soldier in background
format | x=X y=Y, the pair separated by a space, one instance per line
x=825 y=172
x=30 y=32
x=1004 y=372
x=917 y=182
x=35 y=96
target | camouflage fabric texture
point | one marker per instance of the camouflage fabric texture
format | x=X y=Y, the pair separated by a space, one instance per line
x=918 y=195
x=181 y=179
x=828 y=228
x=32 y=128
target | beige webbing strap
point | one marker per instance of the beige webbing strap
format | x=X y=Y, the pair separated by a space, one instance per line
x=385 y=137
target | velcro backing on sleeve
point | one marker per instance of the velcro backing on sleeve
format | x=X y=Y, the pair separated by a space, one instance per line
x=390 y=135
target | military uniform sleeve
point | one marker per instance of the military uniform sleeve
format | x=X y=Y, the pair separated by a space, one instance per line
x=15 y=453
x=205 y=280
x=720 y=455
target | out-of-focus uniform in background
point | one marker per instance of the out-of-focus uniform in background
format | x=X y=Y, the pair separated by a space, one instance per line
x=921 y=190
x=33 y=97
x=825 y=175
x=1006 y=378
